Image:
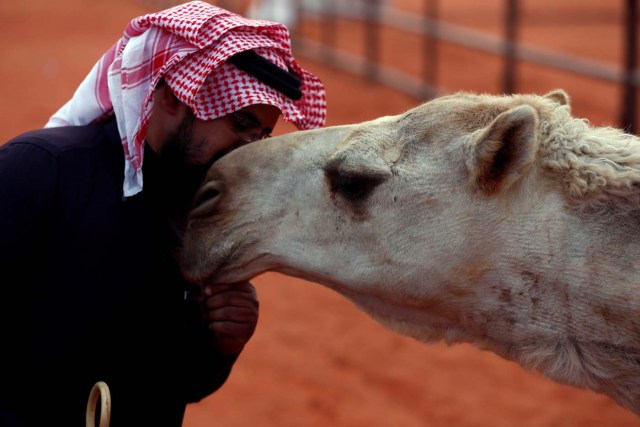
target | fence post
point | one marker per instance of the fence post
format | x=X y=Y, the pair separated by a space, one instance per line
x=430 y=51
x=328 y=29
x=511 y=43
x=628 y=116
x=372 y=38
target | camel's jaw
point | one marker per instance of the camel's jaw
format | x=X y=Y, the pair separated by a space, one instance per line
x=237 y=228
x=227 y=259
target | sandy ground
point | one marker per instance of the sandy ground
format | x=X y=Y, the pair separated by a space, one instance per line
x=315 y=360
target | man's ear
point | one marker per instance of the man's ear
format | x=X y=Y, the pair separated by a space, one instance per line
x=166 y=115
x=166 y=101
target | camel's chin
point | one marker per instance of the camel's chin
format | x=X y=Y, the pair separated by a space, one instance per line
x=220 y=276
x=234 y=269
x=202 y=271
x=206 y=263
x=212 y=277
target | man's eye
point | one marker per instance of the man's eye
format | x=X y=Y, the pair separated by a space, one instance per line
x=243 y=123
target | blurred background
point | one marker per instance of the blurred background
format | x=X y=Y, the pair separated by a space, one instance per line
x=315 y=360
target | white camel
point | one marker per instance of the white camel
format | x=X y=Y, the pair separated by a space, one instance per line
x=501 y=221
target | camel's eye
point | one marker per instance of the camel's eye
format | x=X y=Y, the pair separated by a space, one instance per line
x=353 y=174
x=352 y=187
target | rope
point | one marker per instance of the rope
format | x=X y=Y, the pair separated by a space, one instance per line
x=99 y=389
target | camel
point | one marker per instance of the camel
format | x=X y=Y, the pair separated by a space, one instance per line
x=497 y=220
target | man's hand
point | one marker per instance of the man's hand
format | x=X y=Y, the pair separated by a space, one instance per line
x=232 y=313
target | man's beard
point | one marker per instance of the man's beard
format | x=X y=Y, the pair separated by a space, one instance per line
x=168 y=175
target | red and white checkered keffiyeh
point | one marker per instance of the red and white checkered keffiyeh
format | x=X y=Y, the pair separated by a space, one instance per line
x=187 y=45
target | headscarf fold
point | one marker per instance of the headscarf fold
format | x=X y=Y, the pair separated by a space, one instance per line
x=188 y=46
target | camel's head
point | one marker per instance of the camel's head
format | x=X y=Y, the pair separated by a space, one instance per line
x=371 y=209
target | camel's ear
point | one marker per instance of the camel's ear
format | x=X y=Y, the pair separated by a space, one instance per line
x=503 y=151
x=558 y=96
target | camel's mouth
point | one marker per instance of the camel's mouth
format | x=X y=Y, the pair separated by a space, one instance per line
x=200 y=263
x=196 y=275
x=215 y=271
x=230 y=265
x=209 y=279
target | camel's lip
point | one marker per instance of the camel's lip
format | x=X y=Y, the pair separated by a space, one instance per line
x=215 y=272
x=215 y=277
x=192 y=271
x=207 y=280
x=200 y=280
x=224 y=274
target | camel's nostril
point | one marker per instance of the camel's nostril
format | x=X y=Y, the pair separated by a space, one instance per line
x=205 y=195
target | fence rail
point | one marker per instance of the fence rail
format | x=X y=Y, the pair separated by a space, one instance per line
x=376 y=14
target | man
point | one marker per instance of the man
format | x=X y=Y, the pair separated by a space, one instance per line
x=92 y=209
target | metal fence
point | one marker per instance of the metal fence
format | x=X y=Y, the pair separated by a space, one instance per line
x=376 y=14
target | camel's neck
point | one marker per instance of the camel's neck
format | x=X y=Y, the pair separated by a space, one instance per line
x=568 y=305
x=569 y=262
x=558 y=276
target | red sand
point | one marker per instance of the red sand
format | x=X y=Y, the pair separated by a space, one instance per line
x=315 y=360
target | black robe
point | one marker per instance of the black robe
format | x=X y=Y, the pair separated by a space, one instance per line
x=90 y=289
